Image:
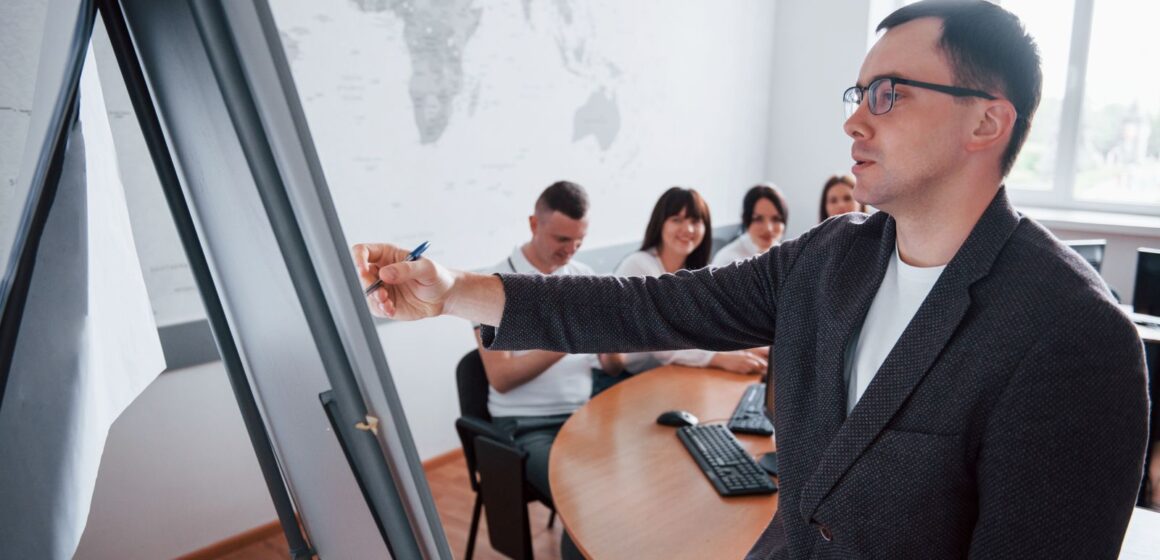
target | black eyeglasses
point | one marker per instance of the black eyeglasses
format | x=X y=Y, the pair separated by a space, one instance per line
x=881 y=98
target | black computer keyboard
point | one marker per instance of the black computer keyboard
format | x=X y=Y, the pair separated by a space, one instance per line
x=749 y=417
x=729 y=467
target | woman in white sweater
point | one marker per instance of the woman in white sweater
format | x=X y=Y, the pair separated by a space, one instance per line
x=676 y=239
x=764 y=214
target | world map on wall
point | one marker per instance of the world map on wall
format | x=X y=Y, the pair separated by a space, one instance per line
x=443 y=120
x=436 y=35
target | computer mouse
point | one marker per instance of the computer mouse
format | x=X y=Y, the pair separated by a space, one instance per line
x=677 y=418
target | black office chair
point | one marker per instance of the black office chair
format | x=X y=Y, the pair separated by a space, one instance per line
x=495 y=467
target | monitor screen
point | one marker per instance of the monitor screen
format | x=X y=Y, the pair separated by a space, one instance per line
x=1092 y=250
x=1146 y=298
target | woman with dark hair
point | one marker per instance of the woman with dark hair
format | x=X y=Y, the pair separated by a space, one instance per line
x=838 y=197
x=764 y=215
x=676 y=238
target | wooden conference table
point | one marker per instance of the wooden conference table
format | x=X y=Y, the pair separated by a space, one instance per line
x=626 y=488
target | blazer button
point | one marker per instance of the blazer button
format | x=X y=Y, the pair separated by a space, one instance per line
x=826 y=534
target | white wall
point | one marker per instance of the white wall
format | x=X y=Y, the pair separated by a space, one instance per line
x=451 y=138
x=818 y=49
x=178 y=472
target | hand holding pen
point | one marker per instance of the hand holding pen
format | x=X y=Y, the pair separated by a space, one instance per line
x=414 y=256
x=401 y=285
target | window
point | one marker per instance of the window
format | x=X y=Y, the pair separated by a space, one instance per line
x=1051 y=25
x=1095 y=141
x=1118 y=157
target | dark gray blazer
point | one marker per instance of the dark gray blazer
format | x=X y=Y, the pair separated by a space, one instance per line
x=1009 y=420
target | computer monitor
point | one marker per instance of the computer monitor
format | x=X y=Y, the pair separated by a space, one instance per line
x=1092 y=250
x=1146 y=296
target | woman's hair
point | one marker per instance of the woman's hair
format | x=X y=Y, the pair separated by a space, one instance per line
x=670 y=204
x=758 y=192
x=834 y=180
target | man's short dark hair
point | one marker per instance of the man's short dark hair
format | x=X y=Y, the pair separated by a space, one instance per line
x=564 y=197
x=989 y=49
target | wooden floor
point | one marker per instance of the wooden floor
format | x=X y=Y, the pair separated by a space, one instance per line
x=453 y=499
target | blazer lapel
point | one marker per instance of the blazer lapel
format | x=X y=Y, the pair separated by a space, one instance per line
x=852 y=287
x=916 y=350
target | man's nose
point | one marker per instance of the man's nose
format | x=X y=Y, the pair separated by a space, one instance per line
x=856 y=126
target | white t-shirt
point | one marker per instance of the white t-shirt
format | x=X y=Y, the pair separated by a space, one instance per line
x=647 y=263
x=903 y=290
x=741 y=248
x=562 y=388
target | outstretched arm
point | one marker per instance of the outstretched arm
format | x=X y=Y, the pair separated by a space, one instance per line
x=722 y=309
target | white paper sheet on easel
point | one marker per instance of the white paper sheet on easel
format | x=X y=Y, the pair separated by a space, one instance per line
x=87 y=347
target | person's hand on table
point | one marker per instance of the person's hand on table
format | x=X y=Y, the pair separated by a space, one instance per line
x=612 y=364
x=741 y=361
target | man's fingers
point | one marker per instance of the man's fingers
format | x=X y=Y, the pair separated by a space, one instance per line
x=394 y=274
x=403 y=272
x=380 y=254
x=367 y=257
x=372 y=252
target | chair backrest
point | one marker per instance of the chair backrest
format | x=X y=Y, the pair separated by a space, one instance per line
x=473 y=388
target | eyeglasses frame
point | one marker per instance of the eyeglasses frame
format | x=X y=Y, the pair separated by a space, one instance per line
x=949 y=90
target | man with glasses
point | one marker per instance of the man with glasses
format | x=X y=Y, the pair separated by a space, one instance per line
x=951 y=380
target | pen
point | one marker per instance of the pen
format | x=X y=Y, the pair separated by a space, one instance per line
x=418 y=252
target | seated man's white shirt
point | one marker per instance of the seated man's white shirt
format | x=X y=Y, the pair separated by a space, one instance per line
x=647 y=263
x=903 y=290
x=562 y=388
x=741 y=248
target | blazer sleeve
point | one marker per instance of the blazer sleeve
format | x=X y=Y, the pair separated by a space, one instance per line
x=1061 y=459
x=719 y=309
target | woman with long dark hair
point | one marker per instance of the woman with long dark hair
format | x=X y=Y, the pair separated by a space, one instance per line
x=764 y=215
x=677 y=237
x=838 y=197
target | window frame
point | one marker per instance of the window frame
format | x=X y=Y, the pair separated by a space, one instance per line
x=1061 y=195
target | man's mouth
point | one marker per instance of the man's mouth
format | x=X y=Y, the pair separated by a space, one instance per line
x=861 y=161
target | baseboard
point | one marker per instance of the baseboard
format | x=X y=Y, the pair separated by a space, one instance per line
x=262 y=532
x=235 y=543
x=442 y=459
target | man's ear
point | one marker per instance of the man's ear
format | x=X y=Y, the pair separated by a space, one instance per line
x=993 y=127
x=533 y=223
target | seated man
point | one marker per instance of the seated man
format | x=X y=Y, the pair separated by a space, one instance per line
x=535 y=386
